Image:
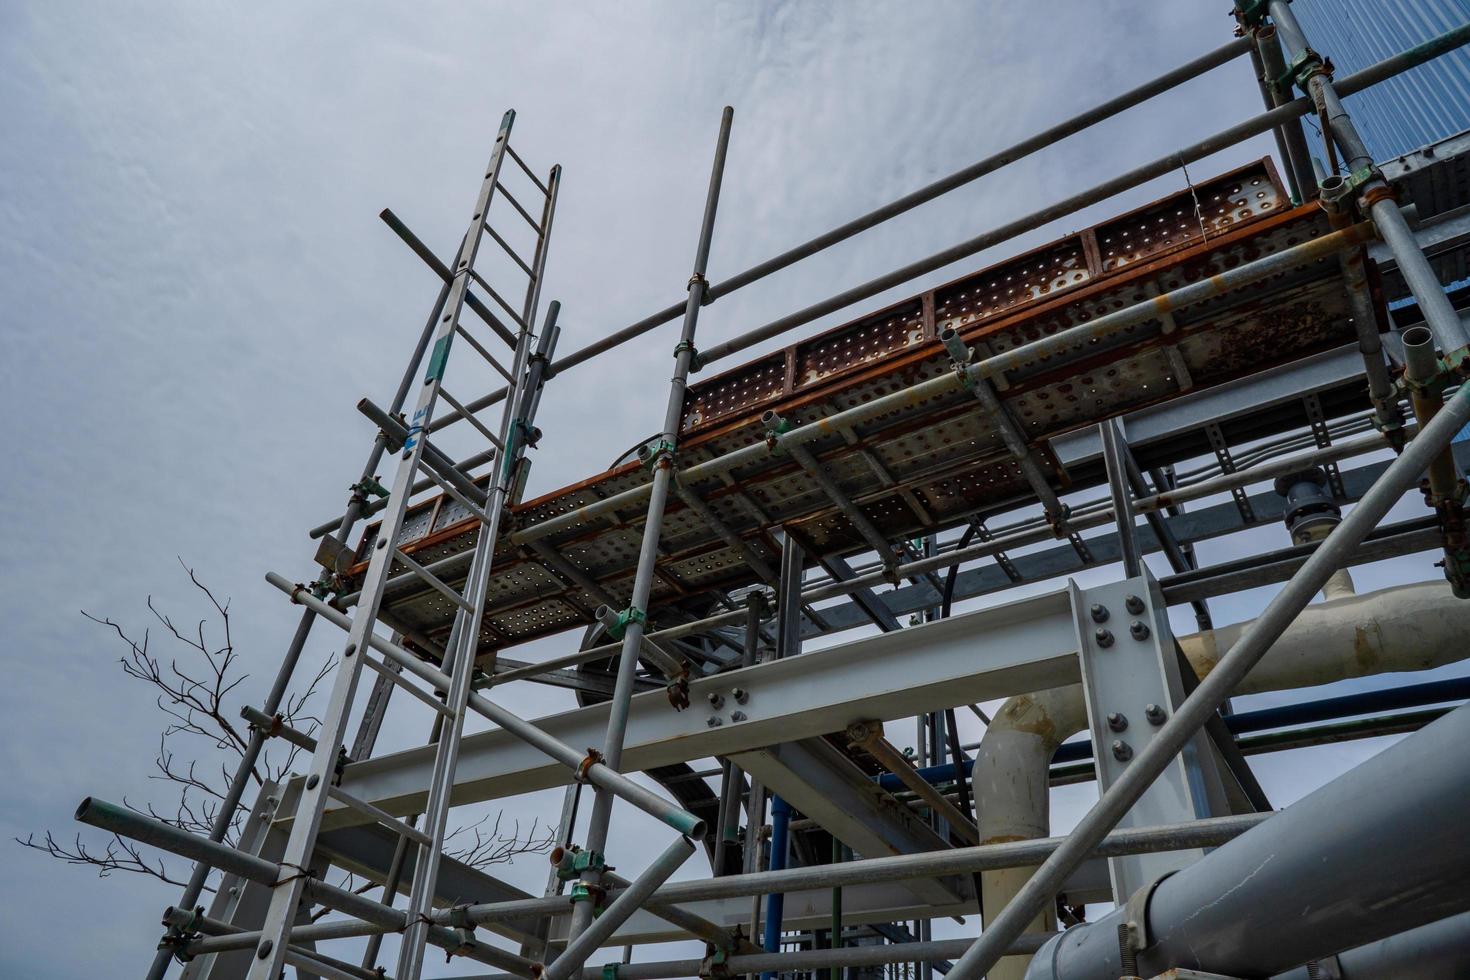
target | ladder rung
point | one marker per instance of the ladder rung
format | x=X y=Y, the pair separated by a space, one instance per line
x=381 y=816
x=491 y=320
x=433 y=581
x=510 y=251
x=517 y=205
x=469 y=417
x=397 y=678
x=469 y=339
x=526 y=170
x=499 y=299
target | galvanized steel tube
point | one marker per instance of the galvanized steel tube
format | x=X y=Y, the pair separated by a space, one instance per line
x=596 y=773
x=1401 y=474
x=1055 y=134
x=628 y=901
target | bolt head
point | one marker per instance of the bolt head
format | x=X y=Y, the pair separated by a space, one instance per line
x=716 y=700
x=1104 y=638
x=714 y=721
x=264 y=949
x=1155 y=714
x=311 y=781
x=1122 y=751
x=1099 y=612
x=1133 y=604
x=1117 y=722
x=1139 y=629
x=741 y=695
x=737 y=716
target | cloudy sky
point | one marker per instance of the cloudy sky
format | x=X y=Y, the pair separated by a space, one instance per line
x=195 y=290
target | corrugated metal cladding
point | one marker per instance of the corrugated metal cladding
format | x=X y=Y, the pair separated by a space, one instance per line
x=1412 y=109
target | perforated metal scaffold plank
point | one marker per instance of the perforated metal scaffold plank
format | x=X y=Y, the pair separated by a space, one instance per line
x=930 y=464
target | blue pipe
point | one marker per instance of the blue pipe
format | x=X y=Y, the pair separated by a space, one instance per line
x=1325 y=709
x=776 y=901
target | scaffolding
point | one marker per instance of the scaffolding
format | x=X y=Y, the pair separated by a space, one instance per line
x=934 y=451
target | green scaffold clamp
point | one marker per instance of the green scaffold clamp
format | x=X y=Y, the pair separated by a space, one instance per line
x=610 y=971
x=575 y=862
x=695 y=361
x=630 y=615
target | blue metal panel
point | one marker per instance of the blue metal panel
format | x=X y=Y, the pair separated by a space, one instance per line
x=1412 y=109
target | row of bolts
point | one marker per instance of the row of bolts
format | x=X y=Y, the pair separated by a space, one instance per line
x=1139 y=630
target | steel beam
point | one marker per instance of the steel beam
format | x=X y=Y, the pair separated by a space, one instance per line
x=1011 y=648
x=817 y=779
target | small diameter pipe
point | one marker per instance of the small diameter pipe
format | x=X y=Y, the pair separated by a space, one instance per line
x=1210 y=832
x=776 y=901
x=1223 y=483
x=622 y=907
x=1196 y=709
x=796 y=963
x=1055 y=134
x=597 y=773
x=147 y=830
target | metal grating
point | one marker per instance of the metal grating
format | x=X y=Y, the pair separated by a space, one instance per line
x=939 y=460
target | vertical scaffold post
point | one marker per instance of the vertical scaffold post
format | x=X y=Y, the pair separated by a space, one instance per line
x=662 y=461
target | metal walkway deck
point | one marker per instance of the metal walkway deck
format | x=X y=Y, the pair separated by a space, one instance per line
x=934 y=463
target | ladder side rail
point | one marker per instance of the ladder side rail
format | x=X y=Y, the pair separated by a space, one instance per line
x=270 y=956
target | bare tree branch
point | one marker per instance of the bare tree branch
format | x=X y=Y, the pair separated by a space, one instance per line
x=202 y=743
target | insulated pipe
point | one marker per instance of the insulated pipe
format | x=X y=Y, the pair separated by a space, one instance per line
x=1411 y=627
x=1346 y=864
x=1206 y=699
x=1438 y=951
x=595 y=772
x=622 y=908
x=776 y=901
x=1213 y=59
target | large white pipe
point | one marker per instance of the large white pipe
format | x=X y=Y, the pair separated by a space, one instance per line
x=1411 y=627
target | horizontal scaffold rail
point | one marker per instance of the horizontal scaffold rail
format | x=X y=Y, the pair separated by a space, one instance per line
x=930 y=461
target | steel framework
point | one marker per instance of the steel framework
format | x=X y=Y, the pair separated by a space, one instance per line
x=1262 y=325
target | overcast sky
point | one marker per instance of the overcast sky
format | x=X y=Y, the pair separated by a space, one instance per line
x=195 y=290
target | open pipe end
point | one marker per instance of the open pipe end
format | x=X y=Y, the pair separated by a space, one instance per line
x=84 y=810
x=1418 y=336
x=1420 y=360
